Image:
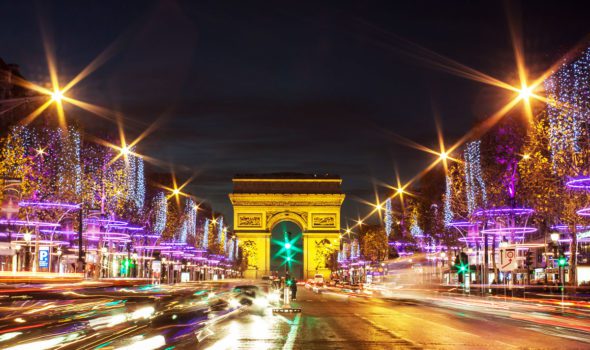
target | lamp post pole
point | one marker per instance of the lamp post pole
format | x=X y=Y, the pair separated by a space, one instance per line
x=80 y=231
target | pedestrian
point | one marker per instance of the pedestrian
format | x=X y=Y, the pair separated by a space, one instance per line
x=293 y=289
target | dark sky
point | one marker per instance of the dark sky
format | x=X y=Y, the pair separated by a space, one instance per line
x=248 y=86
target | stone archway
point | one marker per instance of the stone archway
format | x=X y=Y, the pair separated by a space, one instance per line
x=312 y=202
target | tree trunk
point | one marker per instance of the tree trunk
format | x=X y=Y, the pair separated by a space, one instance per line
x=496 y=272
x=573 y=258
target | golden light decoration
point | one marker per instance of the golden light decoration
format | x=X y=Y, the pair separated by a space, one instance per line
x=57 y=95
x=40 y=151
x=176 y=191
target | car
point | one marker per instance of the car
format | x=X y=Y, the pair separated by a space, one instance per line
x=251 y=295
x=317 y=287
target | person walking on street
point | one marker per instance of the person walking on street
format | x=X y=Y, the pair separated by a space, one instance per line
x=293 y=289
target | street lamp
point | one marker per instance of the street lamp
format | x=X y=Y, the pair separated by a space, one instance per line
x=57 y=96
x=555 y=237
x=27 y=236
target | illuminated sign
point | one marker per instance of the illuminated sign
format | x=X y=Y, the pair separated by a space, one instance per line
x=43 y=257
x=583 y=234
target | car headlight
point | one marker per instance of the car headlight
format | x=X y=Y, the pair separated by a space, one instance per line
x=273 y=297
x=144 y=313
x=261 y=302
x=234 y=304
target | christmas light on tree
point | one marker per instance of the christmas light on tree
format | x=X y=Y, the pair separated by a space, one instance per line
x=68 y=162
x=205 y=243
x=568 y=96
x=190 y=217
x=475 y=186
x=388 y=217
x=160 y=208
x=221 y=239
x=448 y=212
x=415 y=229
x=230 y=249
x=354 y=249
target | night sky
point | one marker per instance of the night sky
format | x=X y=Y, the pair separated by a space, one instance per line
x=277 y=86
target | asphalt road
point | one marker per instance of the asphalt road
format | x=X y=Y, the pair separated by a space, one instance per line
x=199 y=316
x=336 y=321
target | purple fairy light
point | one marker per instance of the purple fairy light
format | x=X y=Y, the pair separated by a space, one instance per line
x=49 y=205
x=28 y=223
x=582 y=183
x=503 y=212
x=507 y=230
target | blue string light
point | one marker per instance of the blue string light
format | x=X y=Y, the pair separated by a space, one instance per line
x=568 y=96
x=475 y=186
x=388 y=217
x=205 y=243
x=160 y=208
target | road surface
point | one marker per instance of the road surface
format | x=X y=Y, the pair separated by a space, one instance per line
x=199 y=316
x=337 y=321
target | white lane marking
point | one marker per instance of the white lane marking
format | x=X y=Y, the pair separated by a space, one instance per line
x=292 y=333
x=385 y=329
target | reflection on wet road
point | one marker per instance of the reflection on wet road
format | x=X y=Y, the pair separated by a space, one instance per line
x=207 y=316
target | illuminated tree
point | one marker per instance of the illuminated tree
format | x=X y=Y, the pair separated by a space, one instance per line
x=373 y=242
x=15 y=161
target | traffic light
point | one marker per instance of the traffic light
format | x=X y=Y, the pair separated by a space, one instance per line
x=562 y=261
x=462 y=266
x=287 y=245
x=528 y=260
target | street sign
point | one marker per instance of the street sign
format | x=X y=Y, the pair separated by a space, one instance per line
x=508 y=260
x=184 y=277
x=43 y=257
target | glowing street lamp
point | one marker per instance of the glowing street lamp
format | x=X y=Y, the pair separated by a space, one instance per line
x=555 y=237
x=57 y=96
x=125 y=151
x=525 y=93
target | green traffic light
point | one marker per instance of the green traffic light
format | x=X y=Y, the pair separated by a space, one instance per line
x=562 y=261
x=288 y=258
x=462 y=268
x=287 y=245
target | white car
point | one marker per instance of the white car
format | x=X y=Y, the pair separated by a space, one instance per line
x=318 y=278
